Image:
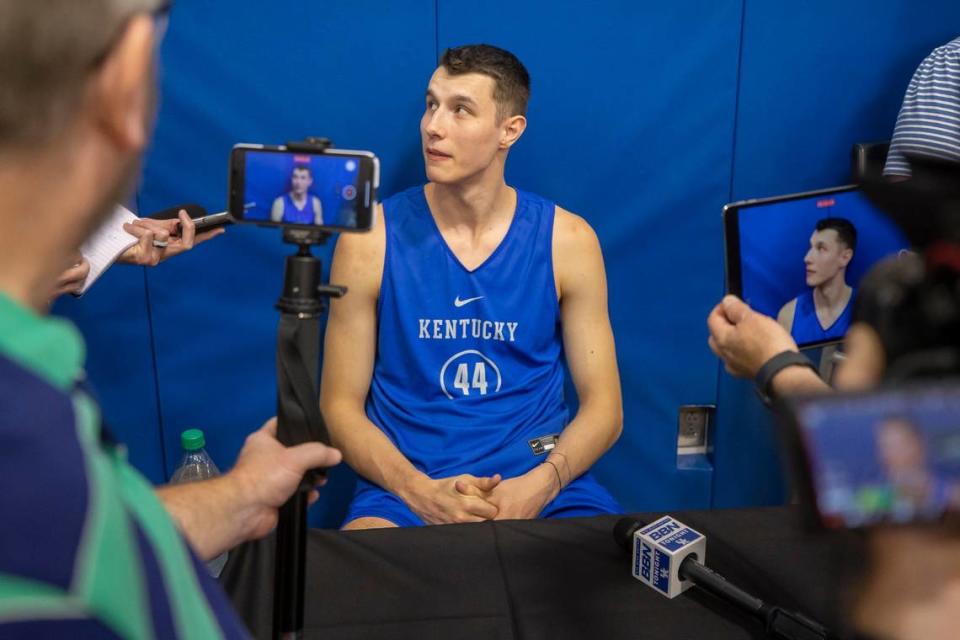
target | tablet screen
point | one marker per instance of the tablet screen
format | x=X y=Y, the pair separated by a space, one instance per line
x=800 y=258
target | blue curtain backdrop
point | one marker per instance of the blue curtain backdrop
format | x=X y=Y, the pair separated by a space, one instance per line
x=645 y=118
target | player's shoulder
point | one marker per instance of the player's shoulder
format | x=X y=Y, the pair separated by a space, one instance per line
x=577 y=258
x=358 y=259
x=366 y=244
x=787 y=313
x=573 y=232
x=790 y=305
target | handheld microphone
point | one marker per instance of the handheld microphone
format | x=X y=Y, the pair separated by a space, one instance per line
x=668 y=555
x=202 y=220
x=193 y=210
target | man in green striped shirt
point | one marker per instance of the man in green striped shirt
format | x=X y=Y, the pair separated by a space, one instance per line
x=88 y=549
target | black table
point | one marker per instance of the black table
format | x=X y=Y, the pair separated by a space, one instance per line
x=553 y=579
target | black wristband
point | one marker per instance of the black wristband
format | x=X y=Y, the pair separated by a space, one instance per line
x=775 y=365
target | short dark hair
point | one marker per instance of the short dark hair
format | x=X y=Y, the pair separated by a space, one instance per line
x=846 y=232
x=512 y=89
x=302 y=167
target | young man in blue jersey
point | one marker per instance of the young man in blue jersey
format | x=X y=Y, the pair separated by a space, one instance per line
x=824 y=312
x=87 y=547
x=298 y=205
x=443 y=365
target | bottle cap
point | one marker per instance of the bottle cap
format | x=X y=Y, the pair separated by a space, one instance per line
x=192 y=439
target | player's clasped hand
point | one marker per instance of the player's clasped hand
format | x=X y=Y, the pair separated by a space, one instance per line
x=462 y=498
x=524 y=497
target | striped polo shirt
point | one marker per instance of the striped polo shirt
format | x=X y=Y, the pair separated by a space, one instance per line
x=86 y=548
x=929 y=121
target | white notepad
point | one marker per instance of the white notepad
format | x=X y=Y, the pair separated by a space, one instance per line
x=107 y=244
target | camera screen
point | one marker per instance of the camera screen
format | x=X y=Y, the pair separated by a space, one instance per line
x=886 y=457
x=800 y=259
x=306 y=189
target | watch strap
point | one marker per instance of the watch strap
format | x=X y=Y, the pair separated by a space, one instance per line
x=775 y=365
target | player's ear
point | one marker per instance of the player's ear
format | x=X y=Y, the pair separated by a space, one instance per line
x=511 y=130
x=846 y=256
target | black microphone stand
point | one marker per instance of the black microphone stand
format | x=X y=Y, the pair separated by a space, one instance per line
x=778 y=622
x=301 y=304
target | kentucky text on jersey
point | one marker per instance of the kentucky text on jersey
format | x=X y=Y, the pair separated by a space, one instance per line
x=463 y=328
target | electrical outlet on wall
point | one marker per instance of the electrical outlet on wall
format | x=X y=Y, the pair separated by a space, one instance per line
x=693 y=428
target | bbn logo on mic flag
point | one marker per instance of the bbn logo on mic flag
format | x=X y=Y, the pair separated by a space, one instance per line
x=658 y=550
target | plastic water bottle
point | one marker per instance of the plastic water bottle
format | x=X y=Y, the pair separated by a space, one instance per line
x=197 y=465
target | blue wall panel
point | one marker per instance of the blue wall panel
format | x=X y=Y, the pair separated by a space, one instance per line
x=819 y=76
x=633 y=132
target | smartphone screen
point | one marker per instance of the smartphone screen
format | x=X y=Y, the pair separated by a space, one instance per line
x=334 y=189
x=890 y=456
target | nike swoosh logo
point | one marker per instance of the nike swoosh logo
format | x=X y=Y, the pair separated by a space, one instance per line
x=459 y=303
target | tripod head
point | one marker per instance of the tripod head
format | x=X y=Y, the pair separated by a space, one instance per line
x=304 y=293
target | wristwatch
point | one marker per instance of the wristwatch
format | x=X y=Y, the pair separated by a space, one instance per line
x=775 y=365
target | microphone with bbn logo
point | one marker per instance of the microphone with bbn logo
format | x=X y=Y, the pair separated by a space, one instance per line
x=660 y=549
x=668 y=557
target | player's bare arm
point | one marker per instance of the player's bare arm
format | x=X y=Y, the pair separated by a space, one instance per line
x=785 y=316
x=591 y=356
x=588 y=344
x=276 y=211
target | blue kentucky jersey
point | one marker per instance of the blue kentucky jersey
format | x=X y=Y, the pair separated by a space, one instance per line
x=468 y=362
x=295 y=215
x=806 y=327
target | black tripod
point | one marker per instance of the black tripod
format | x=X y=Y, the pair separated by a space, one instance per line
x=298 y=414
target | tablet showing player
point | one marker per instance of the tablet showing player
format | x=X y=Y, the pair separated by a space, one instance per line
x=823 y=311
x=799 y=258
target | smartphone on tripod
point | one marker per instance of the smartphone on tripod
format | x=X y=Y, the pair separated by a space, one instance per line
x=307 y=187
